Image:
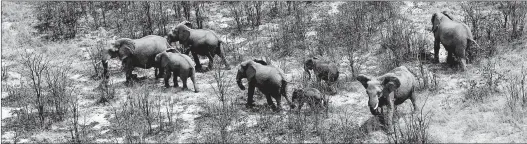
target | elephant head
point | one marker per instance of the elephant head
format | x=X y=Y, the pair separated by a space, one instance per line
x=297 y=93
x=245 y=71
x=180 y=33
x=309 y=65
x=437 y=18
x=122 y=48
x=378 y=90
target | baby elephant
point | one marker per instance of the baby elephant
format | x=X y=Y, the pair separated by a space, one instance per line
x=311 y=96
x=323 y=70
x=179 y=64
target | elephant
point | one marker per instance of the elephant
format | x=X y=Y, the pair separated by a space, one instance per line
x=269 y=79
x=311 y=96
x=136 y=53
x=455 y=37
x=199 y=42
x=326 y=71
x=180 y=65
x=390 y=89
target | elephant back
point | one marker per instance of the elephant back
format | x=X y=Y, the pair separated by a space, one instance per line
x=406 y=78
x=147 y=48
x=188 y=60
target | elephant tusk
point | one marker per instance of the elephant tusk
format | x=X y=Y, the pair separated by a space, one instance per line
x=376 y=105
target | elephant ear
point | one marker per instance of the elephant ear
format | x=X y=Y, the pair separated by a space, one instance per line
x=188 y=24
x=447 y=14
x=363 y=80
x=308 y=65
x=183 y=35
x=391 y=83
x=435 y=24
x=112 y=53
x=158 y=57
x=125 y=47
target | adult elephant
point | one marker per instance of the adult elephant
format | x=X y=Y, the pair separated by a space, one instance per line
x=139 y=53
x=199 y=42
x=269 y=79
x=326 y=71
x=390 y=89
x=455 y=37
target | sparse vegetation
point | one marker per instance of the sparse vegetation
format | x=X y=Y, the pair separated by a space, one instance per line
x=54 y=90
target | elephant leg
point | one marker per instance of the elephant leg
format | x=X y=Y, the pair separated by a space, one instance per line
x=196 y=59
x=176 y=74
x=184 y=77
x=105 y=69
x=436 y=51
x=161 y=72
x=278 y=99
x=270 y=101
x=450 y=58
x=463 y=62
x=461 y=54
x=211 y=61
x=129 y=77
x=389 y=117
x=250 y=94
x=192 y=77
x=412 y=98
x=167 y=77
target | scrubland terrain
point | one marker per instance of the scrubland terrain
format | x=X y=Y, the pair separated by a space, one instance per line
x=486 y=103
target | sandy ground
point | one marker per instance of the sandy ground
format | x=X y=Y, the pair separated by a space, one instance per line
x=452 y=121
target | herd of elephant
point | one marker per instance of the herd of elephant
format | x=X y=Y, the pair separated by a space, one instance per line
x=388 y=90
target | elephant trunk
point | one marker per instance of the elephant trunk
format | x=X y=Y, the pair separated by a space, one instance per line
x=239 y=78
x=105 y=69
x=308 y=73
x=373 y=103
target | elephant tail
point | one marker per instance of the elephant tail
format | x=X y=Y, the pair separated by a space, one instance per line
x=283 y=92
x=474 y=41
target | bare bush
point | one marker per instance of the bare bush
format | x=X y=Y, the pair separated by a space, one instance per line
x=222 y=91
x=96 y=56
x=107 y=90
x=478 y=91
x=516 y=95
x=37 y=64
x=414 y=130
x=60 y=91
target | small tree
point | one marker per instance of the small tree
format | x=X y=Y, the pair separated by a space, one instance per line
x=37 y=64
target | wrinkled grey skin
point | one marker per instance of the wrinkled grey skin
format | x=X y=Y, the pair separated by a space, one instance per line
x=390 y=89
x=269 y=79
x=455 y=37
x=199 y=42
x=311 y=96
x=178 y=64
x=326 y=71
x=136 y=53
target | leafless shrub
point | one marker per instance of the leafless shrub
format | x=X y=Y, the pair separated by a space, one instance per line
x=96 y=54
x=136 y=118
x=414 y=130
x=60 y=91
x=222 y=89
x=4 y=72
x=107 y=90
x=37 y=64
x=517 y=95
x=479 y=91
